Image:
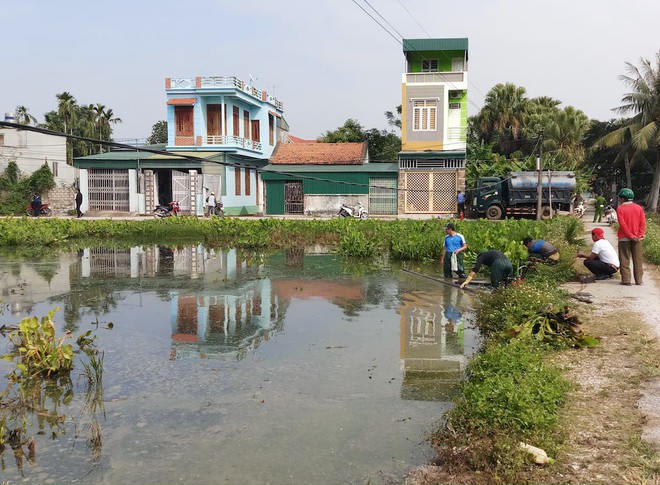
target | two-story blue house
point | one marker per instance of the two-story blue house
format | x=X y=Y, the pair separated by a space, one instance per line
x=220 y=131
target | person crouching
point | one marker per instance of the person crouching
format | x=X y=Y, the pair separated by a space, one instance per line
x=603 y=261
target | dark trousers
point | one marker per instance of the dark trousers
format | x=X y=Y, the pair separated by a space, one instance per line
x=461 y=208
x=598 y=268
x=78 y=211
x=447 y=266
x=631 y=251
x=500 y=271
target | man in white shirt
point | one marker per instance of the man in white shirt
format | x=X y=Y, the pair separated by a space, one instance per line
x=603 y=261
x=210 y=204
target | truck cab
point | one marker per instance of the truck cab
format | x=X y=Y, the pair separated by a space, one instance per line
x=488 y=197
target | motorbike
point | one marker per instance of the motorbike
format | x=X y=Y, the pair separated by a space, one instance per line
x=44 y=210
x=358 y=213
x=610 y=214
x=218 y=210
x=169 y=210
x=579 y=210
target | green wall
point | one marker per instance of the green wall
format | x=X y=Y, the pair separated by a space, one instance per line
x=444 y=59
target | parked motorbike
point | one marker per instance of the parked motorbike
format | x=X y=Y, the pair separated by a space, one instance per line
x=218 y=210
x=358 y=213
x=169 y=210
x=610 y=214
x=44 y=210
x=579 y=210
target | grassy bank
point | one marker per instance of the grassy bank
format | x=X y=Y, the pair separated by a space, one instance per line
x=652 y=239
x=511 y=394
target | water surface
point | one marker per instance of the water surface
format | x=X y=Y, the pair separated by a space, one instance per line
x=222 y=366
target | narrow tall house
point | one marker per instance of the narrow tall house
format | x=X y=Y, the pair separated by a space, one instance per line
x=434 y=123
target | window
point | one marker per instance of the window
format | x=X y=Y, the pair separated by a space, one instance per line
x=256 y=136
x=246 y=124
x=424 y=115
x=237 y=181
x=236 y=112
x=271 y=129
x=53 y=168
x=247 y=181
x=430 y=65
x=458 y=64
x=183 y=119
x=213 y=120
x=2 y=139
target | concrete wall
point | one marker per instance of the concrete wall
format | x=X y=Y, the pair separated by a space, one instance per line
x=328 y=205
x=61 y=199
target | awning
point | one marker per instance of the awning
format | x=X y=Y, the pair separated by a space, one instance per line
x=181 y=101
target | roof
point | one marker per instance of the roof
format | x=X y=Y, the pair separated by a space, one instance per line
x=121 y=159
x=365 y=168
x=319 y=154
x=295 y=139
x=416 y=45
x=181 y=101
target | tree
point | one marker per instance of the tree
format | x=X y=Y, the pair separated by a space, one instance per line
x=503 y=116
x=393 y=120
x=23 y=116
x=158 y=133
x=383 y=146
x=643 y=101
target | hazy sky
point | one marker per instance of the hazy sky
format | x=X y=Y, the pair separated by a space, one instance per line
x=326 y=60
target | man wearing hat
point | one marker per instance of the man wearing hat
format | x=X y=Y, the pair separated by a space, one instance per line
x=632 y=229
x=603 y=261
x=452 y=252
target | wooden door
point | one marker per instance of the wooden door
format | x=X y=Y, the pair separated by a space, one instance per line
x=214 y=124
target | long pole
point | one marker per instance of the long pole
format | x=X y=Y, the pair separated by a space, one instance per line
x=539 y=168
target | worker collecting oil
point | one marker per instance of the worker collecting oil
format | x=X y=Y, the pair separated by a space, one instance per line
x=500 y=266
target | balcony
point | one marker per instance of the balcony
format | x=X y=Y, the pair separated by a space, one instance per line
x=222 y=82
x=234 y=142
x=435 y=77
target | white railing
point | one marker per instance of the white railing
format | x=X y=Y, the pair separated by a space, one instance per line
x=233 y=141
x=456 y=133
x=435 y=77
x=224 y=82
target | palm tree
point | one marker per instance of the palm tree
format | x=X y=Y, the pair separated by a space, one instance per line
x=565 y=134
x=23 y=116
x=643 y=128
x=504 y=115
x=66 y=110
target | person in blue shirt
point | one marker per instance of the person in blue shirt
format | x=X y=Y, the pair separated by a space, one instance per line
x=452 y=252
x=461 y=203
x=541 y=251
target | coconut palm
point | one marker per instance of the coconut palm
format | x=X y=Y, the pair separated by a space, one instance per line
x=66 y=109
x=643 y=128
x=503 y=117
x=23 y=116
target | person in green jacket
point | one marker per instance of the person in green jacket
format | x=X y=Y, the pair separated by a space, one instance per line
x=599 y=205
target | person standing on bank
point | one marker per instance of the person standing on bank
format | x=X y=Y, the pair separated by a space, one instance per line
x=632 y=229
x=452 y=252
x=603 y=261
x=210 y=204
x=460 y=198
x=79 y=199
x=500 y=266
x=599 y=204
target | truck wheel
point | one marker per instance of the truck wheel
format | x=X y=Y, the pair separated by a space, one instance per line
x=494 y=212
x=546 y=213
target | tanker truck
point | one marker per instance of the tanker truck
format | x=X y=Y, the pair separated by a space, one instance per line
x=517 y=194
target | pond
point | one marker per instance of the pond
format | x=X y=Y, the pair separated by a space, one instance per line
x=228 y=366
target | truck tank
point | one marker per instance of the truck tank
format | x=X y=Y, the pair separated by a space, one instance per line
x=530 y=180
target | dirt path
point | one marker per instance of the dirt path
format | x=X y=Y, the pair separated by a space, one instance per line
x=611 y=297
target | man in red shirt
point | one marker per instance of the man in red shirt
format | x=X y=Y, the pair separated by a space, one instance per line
x=632 y=228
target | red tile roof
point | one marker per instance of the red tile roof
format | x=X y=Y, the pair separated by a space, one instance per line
x=295 y=139
x=320 y=153
x=181 y=101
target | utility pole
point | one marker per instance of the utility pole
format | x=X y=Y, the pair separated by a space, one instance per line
x=539 y=167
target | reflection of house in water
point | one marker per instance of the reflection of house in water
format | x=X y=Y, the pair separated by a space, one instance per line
x=223 y=312
x=432 y=345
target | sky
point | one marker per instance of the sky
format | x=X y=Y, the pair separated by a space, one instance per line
x=326 y=60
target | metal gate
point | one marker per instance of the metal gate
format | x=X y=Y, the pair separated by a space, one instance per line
x=181 y=189
x=382 y=196
x=293 y=198
x=430 y=192
x=108 y=190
